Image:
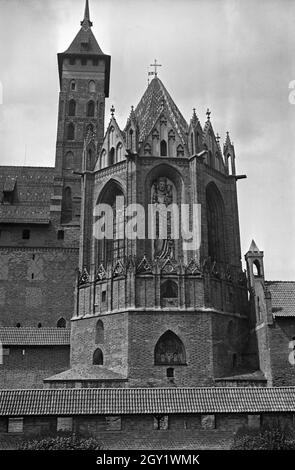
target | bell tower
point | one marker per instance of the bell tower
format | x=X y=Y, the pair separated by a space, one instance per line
x=84 y=74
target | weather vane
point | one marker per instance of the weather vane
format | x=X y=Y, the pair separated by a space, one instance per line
x=155 y=72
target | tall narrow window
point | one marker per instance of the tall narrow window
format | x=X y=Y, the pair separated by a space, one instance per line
x=90 y=108
x=99 y=332
x=103 y=159
x=192 y=143
x=72 y=108
x=73 y=85
x=215 y=223
x=112 y=156
x=163 y=148
x=91 y=87
x=113 y=249
x=119 y=152
x=71 y=131
x=66 y=209
x=69 y=161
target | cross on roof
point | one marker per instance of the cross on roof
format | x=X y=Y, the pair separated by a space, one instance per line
x=155 y=65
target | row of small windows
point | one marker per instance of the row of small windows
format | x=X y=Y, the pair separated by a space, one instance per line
x=61 y=323
x=84 y=60
x=164 y=149
x=115 y=155
x=90 y=108
x=91 y=86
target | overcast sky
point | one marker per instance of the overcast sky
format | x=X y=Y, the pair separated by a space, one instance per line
x=235 y=57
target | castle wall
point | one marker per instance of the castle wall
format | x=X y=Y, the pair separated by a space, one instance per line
x=26 y=367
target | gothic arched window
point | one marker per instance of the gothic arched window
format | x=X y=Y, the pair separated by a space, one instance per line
x=163 y=147
x=71 y=131
x=69 y=161
x=170 y=350
x=256 y=268
x=112 y=156
x=215 y=223
x=169 y=289
x=119 y=152
x=97 y=357
x=72 y=108
x=91 y=87
x=103 y=159
x=112 y=248
x=90 y=108
x=99 y=332
x=61 y=323
x=66 y=209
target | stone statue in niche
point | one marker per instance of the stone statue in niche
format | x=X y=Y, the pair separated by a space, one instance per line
x=162 y=193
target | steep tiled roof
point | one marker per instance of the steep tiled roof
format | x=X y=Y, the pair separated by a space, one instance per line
x=283 y=298
x=12 y=336
x=86 y=37
x=146 y=401
x=148 y=110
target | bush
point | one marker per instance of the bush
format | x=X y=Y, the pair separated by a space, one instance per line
x=60 y=442
x=265 y=438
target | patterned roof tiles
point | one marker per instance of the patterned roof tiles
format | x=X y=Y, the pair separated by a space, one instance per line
x=12 y=336
x=283 y=297
x=146 y=401
x=155 y=100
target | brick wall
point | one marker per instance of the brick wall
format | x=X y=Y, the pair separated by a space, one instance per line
x=26 y=367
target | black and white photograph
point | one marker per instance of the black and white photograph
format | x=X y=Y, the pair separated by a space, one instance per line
x=147 y=219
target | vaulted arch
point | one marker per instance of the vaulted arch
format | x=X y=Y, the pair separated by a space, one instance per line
x=215 y=223
x=169 y=350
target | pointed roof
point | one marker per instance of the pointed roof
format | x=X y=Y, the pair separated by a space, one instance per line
x=156 y=100
x=85 y=42
x=254 y=248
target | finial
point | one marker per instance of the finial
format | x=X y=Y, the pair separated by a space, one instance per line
x=112 y=110
x=194 y=118
x=208 y=114
x=217 y=137
x=86 y=23
x=155 y=65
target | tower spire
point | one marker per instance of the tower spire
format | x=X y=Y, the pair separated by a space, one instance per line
x=86 y=23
